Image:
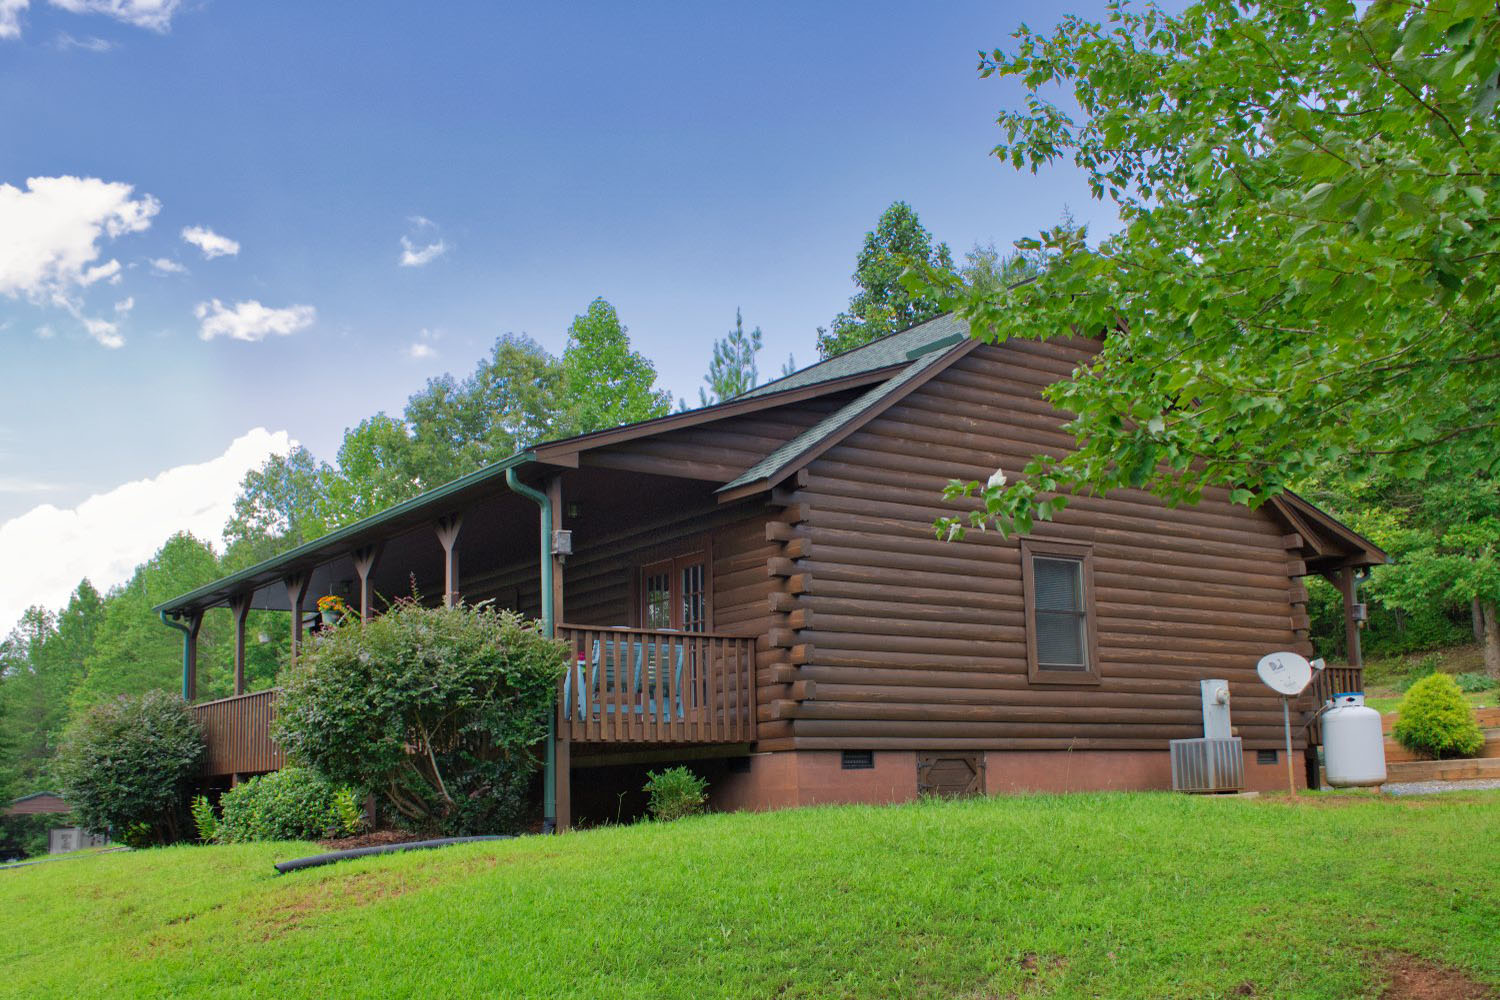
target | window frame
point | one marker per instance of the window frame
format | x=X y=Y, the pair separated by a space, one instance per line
x=1082 y=553
x=673 y=567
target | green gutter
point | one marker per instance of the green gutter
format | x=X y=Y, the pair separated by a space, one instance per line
x=187 y=637
x=549 y=625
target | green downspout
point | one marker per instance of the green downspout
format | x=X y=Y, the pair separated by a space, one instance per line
x=549 y=625
x=187 y=634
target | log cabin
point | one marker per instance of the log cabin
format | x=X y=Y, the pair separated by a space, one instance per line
x=756 y=588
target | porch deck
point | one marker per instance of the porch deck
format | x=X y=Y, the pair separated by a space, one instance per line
x=639 y=687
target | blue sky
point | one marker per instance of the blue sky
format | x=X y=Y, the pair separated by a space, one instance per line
x=679 y=160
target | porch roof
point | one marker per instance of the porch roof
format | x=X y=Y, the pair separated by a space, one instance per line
x=364 y=531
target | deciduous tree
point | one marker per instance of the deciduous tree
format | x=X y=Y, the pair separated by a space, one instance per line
x=1308 y=273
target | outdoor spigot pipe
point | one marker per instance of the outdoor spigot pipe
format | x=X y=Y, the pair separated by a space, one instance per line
x=549 y=625
x=187 y=637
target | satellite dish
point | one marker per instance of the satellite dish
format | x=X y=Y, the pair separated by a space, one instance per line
x=1285 y=673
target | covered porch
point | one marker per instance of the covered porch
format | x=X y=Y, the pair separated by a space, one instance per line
x=584 y=550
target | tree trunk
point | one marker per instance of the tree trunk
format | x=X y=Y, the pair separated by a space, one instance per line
x=1491 y=616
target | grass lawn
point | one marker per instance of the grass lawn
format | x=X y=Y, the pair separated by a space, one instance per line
x=1145 y=895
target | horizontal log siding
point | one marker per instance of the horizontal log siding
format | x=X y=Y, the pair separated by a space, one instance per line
x=919 y=644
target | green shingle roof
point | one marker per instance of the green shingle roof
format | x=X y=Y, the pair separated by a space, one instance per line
x=893 y=349
x=833 y=423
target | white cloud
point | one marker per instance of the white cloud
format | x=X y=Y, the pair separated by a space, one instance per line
x=420 y=254
x=154 y=15
x=166 y=265
x=413 y=255
x=102 y=330
x=422 y=347
x=106 y=536
x=250 y=320
x=45 y=332
x=50 y=233
x=211 y=243
x=10 y=17
x=125 y=305
x=92 y=43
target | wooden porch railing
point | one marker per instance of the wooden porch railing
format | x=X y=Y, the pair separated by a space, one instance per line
x=644 y=686
x=238 y=733
x=1327 y=683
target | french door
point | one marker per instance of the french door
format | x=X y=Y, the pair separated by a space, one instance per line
x=674 y=594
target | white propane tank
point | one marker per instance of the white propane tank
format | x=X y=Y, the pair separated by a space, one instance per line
x=1353 y=743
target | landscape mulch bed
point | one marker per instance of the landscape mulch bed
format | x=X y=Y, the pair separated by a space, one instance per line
x=375 y=838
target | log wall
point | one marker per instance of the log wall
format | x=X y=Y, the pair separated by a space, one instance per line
x=896 y=640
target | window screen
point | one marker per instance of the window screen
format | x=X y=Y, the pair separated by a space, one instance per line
x=1061 y=636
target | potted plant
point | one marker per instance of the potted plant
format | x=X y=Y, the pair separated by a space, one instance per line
x=332 y=608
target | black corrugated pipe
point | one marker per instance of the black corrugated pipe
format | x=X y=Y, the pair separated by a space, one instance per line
x=363 y=852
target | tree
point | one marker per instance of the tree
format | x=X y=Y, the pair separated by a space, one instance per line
x=280 y=505
x=132 y=652
x=988 y=268
x=732 y=370
x=1308 y=273
x=510 y=402
x=375 y=471
x=43 y=661
x=1443 y=535
x=883 y=303
x=604 y=382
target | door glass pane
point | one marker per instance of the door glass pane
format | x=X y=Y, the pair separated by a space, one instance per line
x=657 y=601
x=693 y=598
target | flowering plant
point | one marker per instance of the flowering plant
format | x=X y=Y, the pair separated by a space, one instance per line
x=332 y=604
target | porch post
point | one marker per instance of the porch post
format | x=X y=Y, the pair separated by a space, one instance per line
x=447 y=532
x=365 y=559
x=562 y=752
x=296 y=594
x=239 y=605
x=190 y=656
x=1349 y=590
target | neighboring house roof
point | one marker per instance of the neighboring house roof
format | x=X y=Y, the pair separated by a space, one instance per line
x=37 y=804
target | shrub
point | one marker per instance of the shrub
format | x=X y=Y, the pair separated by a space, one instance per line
x=126 y=766
x=1474 y=683
x=675 y=793
x=436 y=710
x=204 y=819
x=291 y=804
x=1436 y=721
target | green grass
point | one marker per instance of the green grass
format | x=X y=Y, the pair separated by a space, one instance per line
x=1145 y=895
